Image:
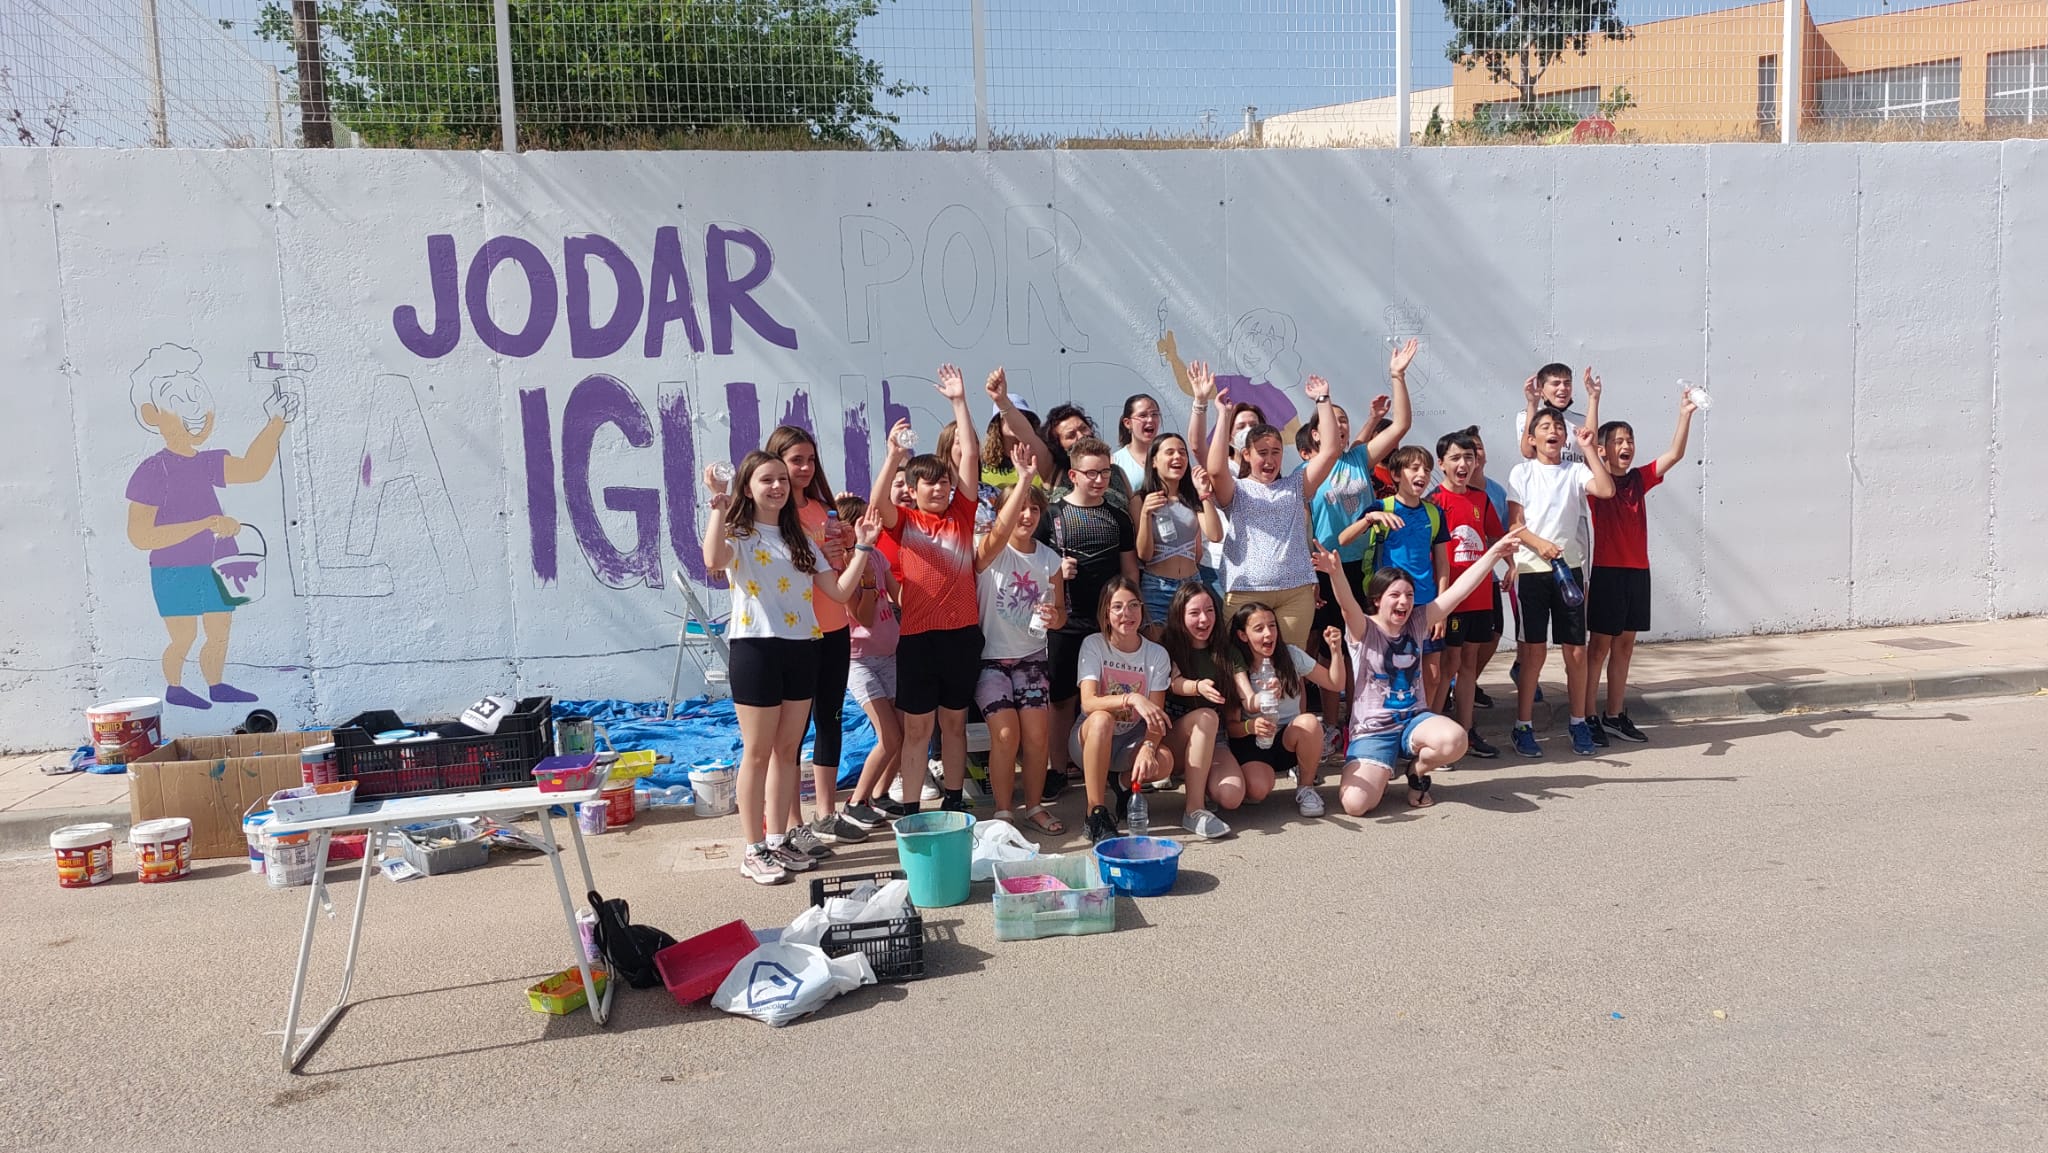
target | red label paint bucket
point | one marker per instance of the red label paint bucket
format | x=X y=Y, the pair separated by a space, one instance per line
x=85 y=854
x=618 y=801
x=316 y=765
x=124 y=731
x=163 y=849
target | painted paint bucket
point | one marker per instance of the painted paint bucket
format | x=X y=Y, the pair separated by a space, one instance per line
x=316 y=765
x=288 y=859
x=618 y=800
x=85 y=854
x=252 y=830
x=240 y=577
x=124 y=731
x=591 y=817
x=163 y=849
x=715 y=788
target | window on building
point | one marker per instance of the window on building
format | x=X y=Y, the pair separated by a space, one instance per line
x=1767 y=96
x=1580 y=102
x=2017 y=88
x=1932 y=91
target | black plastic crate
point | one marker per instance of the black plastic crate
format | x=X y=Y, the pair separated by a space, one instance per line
x=895 y=948
x=458 y=760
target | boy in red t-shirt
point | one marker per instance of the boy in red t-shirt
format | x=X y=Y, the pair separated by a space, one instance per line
x=1472 y=631
x=938 y=658
x=1618 y=591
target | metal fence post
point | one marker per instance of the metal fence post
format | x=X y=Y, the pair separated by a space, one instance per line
x=1791 y=100
x=159 y=120
x=980 y=76
x=508 y=117
x=1404 y=48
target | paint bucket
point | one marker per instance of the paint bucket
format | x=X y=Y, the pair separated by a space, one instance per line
x=577 y=735
x=288 y=859
x=163 y=849
x=240 y=577
x=124 y=731
x=935 y=850
x=591 y=817
x=252 y=830
x=316 y=765
x=716 y=790
x=586 y=929
x=85 y=854
x=618 y=800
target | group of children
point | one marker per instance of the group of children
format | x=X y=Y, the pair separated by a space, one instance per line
x=1173 y=607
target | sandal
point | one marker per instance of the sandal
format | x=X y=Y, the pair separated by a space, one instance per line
x=1418 y=791
x=1042 y=819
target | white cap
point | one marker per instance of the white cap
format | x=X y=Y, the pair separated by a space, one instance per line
x=485 y=715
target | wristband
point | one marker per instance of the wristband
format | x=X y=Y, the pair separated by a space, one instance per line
x=866 y=548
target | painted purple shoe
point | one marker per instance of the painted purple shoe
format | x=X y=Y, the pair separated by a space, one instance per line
x=180 y=695
x=227 y=694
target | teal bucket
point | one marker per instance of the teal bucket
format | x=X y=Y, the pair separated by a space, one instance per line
x=935 y=850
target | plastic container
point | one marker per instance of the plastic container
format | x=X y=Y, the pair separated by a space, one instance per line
x=439 y=847
x=894 y=948
x=618 y=800
x=163 y=849
x=85 y=854
x=316 y=764
x=460 y=759
x=592 y=817
x=716 y=789
x=565 y=774
x=124 y=731
x=563 y=992
x=1084 y=905
x=1139 y=866
x=313 y=802
x=934 y=850
x=693 y=969
x=252 y=829
x=288 y=859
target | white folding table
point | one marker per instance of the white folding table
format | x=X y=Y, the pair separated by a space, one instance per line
x=379 y=818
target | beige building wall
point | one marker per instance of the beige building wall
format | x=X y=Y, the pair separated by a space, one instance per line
x=1359 y=122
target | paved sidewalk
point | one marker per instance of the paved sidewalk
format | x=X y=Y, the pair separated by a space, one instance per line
x=1686 y=680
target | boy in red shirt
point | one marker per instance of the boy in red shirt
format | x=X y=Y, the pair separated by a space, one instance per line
x=1618 y=593
x=1472 y=631
x=938 y=658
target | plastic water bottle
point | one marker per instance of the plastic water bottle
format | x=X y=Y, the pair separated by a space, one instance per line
x=1698 y=396
x=1037 y=626
x=722 y=473
x=1162 y=528
x=1567 y=585
x=669 y=797
x=905 y=438
x=1269 y=707
x=1140 y=814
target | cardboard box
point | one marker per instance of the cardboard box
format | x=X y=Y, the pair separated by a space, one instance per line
x=212 y=781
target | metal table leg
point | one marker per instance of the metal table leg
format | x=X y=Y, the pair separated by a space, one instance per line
x=600 y=1007
x=295 y=1051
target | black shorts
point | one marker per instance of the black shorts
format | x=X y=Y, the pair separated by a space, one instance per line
x=1480 y=627
x=937 y=669
x=1063 y=651
x=1618 y=601
x=770 y=671
x=1247 y=750
x=1544 y=610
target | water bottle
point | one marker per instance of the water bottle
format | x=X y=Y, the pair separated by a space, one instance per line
x=1162 y=527
x=1139 y=815
x=1567 y=585
x=1037 y=626
x=1269 y=707
x=905 y=438
x=722 y=473
x=1698 y=396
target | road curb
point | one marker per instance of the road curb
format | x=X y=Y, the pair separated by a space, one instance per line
x=30 y=829
x=1711 y=701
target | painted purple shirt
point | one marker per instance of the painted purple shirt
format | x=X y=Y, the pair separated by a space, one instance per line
x=181 y=489
x=1271 y=400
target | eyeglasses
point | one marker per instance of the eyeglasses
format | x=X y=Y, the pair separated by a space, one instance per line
x=1091 y=473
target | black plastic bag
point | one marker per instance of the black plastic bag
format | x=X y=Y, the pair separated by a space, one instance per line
x=628 y=949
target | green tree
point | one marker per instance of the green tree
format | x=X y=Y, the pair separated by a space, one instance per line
x=1517 y=39
x=599 y=73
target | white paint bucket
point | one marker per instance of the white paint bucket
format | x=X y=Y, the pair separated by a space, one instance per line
x=163 y=849
x=716 y=790
x=85 y=854
x=252 y=830
x=240 y=577
x=124 y=731
x=288 y=859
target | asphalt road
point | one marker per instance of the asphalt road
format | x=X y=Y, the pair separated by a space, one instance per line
x=1826 y=932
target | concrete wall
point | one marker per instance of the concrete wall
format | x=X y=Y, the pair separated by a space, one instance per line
x=450 y=514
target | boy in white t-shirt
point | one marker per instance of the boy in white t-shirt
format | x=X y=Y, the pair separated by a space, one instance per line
x=1547 y=513
x=1552 y=387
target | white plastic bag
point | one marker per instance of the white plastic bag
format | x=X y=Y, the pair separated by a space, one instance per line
x=781 y=982
x=997 y=841
x=884 y=904
x=808 y=928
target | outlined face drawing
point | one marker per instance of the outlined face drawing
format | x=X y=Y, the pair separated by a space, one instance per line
x=180 y=409
x=1258 y=342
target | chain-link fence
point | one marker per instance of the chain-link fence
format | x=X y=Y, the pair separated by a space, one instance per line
x=1013 y=73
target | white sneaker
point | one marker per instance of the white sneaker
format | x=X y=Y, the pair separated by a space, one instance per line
x=1205 y=824
x=1308 y=800
x=1333 y=746
x=761 y=867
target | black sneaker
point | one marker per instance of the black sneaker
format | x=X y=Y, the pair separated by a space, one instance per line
x=1622 y=727
x=891 y=808
x=838 y=830
x=1056 y=782
x=1122 y=793
x=1476 y=746
x=867 y=816
x=1479 y=698
x=1101 y=826
x=1599 y=732
x=954 y=802
x=805 y=841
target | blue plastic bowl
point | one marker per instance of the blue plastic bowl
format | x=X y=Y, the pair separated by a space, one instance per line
x=1139 y=866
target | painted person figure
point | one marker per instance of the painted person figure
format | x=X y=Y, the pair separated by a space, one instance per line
x=174 y=514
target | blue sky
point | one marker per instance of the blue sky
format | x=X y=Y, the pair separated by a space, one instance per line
x=1074 y=67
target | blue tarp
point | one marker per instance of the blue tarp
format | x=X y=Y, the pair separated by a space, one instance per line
x=702 y=732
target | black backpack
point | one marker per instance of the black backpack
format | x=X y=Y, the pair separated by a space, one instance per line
x=628 y=948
